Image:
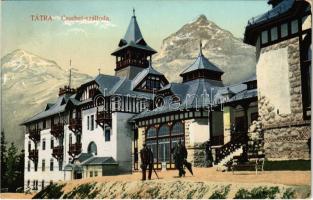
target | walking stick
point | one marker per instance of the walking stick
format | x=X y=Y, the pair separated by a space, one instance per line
x=155 y=172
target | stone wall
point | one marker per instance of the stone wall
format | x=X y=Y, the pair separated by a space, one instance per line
x=285 y=134
x=196 y=151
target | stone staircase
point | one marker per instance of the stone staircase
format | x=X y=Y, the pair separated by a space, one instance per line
x=228 y=151
x=221 y=165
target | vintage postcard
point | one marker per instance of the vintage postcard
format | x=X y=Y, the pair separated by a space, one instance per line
x=150 y=99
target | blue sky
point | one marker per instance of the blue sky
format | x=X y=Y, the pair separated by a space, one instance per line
x=89 y=45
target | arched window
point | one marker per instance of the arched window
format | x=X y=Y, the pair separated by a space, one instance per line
x=164 y=130
x=151 y=133
x=92 y=148
x=178 y=129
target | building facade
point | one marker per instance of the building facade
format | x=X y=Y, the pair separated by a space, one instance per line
x=99 y=128
x=282 y=38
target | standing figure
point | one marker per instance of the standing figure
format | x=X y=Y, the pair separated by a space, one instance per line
x=185 y=155
x=178 y=156
x=146 y=156
x=208 y=154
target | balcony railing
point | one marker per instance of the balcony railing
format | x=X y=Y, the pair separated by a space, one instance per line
x=33 y=155
x=75 y=125
x=66 y=90
x=139 y=63
x=57 y=152
x=57 y=130
x=236 y=142
x=34 y=134
x=104 y=117
x=75 y=149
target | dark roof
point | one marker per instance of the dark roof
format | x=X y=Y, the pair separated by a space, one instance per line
x=141 y=75
x=113 y=85
x=251 y=79
x=251 y=32
x=133 y=32
x=278 y=10
x=83 y=157
x=133 y=38
x=100 y=161
x=192 y=94
x=201 y=62
x=246 y=94
x=56 y=108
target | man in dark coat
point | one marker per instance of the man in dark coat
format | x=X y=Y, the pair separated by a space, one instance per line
x=146 y=156
x=185 y=154
x=208 y=154
x=178 y=156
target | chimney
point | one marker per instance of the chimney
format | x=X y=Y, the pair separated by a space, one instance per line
x=274 y=2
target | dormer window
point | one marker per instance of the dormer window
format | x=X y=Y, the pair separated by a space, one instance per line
x=175 y=99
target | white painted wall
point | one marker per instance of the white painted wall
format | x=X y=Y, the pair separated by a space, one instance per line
x=123 y=133
x=46 y=154
x=104 y=148
x=273 y=79
x=199 y=131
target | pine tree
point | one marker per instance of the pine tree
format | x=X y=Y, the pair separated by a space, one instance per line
x=11 y=173
x=3 y=160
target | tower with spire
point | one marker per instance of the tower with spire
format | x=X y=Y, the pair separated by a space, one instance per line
x=133 y=53
x=202 y=68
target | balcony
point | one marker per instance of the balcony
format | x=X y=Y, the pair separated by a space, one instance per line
x=134 y=62
x=34 y=134
x=66 y=90
x=57 y=152
x=75 y=125
x=57 y=130
x=104 y=117
x=33 y=155
x=75 y=149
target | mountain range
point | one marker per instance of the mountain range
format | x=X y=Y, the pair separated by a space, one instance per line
x=229 y=53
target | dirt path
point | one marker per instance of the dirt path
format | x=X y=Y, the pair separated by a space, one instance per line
x=16 y=196
x=211 y=175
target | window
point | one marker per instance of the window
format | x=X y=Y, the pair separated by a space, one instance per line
x=164 y=150
x=28 y=166
x=29 y=145
x=164 y=130
x=60 y=165
x=87 y=122
x=274 y=34
x=51 y=143
x=96 y=173
x=44 y=124
x=283 y=30
x=42 y=184
x=294 y=26
x=178 y=129
x=51 y=182
x=306 y=75
x=70 y=139
x=91 y=174
x=43 y=165
x=92 y=148
x=151 y=133
x=36 y=165
x=92 y=122
x=51 y=164
x=264 y=37
x=44 y=144
x=107 y=134
x=28 y=183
